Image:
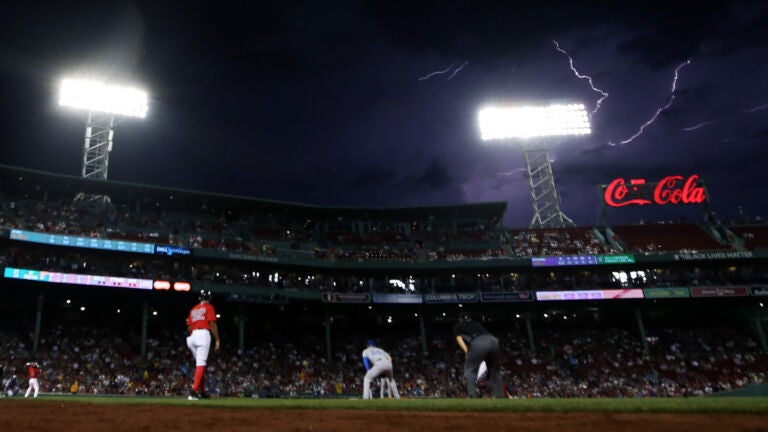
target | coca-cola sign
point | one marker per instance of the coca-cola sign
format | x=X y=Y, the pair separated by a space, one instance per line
x=674 y=189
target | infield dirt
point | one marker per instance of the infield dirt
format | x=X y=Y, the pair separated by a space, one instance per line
x=44 y=416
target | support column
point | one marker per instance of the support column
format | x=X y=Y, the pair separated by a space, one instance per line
x=641 y=328
x=423 y=330
x=38 y=320
x=144 y=321
x=241 y=332
x=327 y=336
x=761 y=334
x=529 y=329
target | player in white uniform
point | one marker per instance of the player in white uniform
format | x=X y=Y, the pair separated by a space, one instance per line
x=377 y=364
x=384 y=390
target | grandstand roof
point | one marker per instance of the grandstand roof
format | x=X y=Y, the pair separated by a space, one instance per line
x=22 y=180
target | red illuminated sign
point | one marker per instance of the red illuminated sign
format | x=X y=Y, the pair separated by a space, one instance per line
x=161 y=285
x=670 y=190
x=182 y=286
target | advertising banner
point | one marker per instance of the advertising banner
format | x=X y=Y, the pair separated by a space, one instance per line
x=506 y=297
x=715 y=255
x=719 y=291
x=346 y=297
x=397 y=298
x=435 y=298
x=607 y=294
x=171 y=250
x=662 y=293
x=674 y=189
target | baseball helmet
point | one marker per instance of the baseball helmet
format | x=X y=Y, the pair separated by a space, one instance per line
x=370 y=342
x=205 y=295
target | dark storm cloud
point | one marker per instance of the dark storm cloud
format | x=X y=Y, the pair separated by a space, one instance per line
x=760 y=135
x=373 y=177
x=320 y=102
x=481 y=29
x=656 y=35
x=434 y=177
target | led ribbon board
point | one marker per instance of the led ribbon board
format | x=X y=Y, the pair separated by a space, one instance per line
x=77 y=279
x=581 y=260
x=606 y=294
x=82 y=242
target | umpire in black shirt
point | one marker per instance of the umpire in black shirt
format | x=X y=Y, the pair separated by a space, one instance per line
x=478 y=345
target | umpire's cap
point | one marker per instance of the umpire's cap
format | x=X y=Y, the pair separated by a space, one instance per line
x=205 y=295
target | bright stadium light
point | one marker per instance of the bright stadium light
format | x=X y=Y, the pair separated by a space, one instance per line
x=97 y=96
x=524 y=122
x=497 y=123
x=103 y=102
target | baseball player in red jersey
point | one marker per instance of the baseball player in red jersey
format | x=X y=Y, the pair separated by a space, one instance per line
x=201 y=324
x=34 y=372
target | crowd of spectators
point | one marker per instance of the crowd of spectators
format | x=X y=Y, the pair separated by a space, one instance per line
x=246 y=233
x=571 y=362
x=553 y=242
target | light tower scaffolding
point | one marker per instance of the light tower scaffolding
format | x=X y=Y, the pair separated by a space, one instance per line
x=98 y=144
x=544 y=197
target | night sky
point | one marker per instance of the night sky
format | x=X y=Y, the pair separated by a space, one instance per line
x=374 y=104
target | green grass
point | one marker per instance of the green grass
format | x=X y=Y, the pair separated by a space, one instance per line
x=751 y=405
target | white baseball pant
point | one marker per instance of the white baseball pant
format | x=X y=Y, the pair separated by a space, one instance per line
x=33 y=384
x=380 y=368
x=199 y=342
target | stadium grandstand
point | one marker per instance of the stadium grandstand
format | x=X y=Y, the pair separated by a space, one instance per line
x=97 y=291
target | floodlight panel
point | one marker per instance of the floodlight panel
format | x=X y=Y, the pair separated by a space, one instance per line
x=531 y=121
x=97 y=96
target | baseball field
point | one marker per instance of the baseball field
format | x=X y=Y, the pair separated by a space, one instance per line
x=91 y=413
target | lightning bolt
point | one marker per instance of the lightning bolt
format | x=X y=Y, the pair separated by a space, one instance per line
x=430 y=75
x=586 y=77
x=458 y=69
x=709 y=122
x=509 y=173
x=659 y=110
x=701 y=125
x=755 y=109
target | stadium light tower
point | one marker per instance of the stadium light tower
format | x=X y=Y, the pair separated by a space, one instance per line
x=103 y=103
x=537 y=122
